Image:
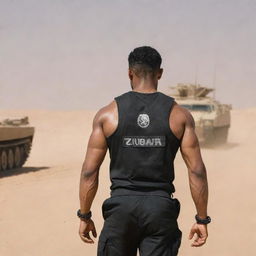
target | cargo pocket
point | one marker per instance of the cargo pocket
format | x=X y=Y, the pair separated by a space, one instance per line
x=102 y=246
x=176 y=242
x=106 y=248
x=177 y=204
x=103 y=207
x=109 y=205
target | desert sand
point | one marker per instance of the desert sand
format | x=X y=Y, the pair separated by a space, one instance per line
x=38 y=202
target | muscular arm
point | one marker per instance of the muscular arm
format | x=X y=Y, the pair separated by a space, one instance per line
x=96 y=151
x=191 y=154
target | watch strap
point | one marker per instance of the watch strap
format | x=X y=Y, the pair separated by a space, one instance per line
x=85 y=216
x=205 y=221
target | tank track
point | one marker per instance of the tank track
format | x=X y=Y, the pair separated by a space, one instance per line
x=217 y=136
x=15 y=153
x=221 y=134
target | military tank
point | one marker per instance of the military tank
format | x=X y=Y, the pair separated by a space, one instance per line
x=212 y=119
x=16 y=137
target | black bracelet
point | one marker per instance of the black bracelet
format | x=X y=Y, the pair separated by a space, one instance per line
x=205 y=221
x=85 y=216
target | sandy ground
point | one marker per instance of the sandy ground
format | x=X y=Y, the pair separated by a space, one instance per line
x=38 y=202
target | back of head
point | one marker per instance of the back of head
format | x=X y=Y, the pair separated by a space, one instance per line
x=144 y=61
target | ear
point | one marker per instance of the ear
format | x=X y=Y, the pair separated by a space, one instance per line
x=160 y=73
x=130 y=74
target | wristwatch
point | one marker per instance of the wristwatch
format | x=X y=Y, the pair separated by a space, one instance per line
x=205 y=221
x=85 y=216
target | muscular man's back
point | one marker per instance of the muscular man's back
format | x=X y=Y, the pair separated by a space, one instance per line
x=108 y=117
x=141 y=212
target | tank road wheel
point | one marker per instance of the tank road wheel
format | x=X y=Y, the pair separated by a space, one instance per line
x=221 y=135
x=10 y=159
x=17 y=157
x=24 y=152
x=224 y=135
x=4 y=160
x=27 y=148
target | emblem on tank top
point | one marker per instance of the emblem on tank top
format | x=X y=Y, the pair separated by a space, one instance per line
x=143 y=120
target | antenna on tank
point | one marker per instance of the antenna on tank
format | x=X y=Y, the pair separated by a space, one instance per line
x=196 y=75
x=214 y=79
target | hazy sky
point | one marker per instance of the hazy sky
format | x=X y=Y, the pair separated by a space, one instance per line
x=72 y=54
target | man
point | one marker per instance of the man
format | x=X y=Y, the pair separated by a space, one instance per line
x=143 y=129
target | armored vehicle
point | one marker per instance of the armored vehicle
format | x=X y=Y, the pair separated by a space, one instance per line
x=16 y=137
x=212 y=119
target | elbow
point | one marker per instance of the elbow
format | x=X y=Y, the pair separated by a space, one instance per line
x=89 y=176
x=199 y=174
x=199 y=171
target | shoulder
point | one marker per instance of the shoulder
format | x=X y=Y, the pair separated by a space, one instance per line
x=182 y=114
x=103 y=113
x=109 y=111
x=180 y=119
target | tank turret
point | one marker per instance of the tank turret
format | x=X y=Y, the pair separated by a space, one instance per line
x=191 y=91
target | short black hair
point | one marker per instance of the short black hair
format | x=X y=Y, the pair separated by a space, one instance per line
x=144 y=60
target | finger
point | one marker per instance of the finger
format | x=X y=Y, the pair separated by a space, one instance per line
x=195 y=242
x=94 y=233
x=199 y=242
x=89 y=237
x=202 y=238
x=86 y=238
x=191 y=234
x=202 y=235
x=197 y=238
x=202 y=241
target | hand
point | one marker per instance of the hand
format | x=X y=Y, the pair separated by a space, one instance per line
x=201 y=234
x=85 y=227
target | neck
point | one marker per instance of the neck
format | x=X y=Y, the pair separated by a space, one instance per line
x=145 y=86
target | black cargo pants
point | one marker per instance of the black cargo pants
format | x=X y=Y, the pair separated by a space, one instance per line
x=144 y=222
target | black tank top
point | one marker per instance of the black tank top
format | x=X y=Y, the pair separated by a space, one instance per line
x=143 y=147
